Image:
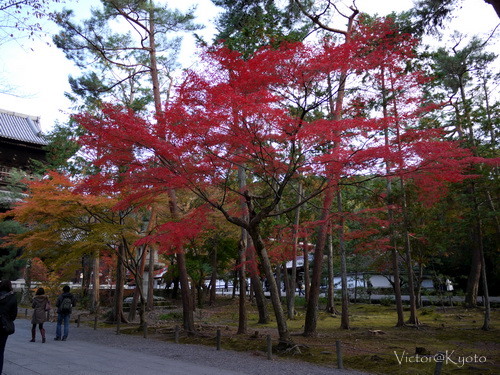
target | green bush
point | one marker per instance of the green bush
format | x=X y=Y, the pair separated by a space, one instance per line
x=387 y=301
x=171 y=316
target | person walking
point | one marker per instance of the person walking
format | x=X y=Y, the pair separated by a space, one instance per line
x=41 y=305
x=64 y=304
x=8 y=310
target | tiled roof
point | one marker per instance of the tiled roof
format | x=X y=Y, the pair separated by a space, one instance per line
x=21 y=127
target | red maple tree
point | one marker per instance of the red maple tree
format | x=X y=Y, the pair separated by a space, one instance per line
x=266 y=115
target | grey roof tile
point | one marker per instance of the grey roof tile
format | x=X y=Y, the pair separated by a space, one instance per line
x=21 y=127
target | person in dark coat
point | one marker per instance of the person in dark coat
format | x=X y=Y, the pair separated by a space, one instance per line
x=40 y=306
x=63 y=316
x=8 y=308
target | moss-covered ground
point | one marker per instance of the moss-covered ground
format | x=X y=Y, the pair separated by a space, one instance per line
x=372 y=344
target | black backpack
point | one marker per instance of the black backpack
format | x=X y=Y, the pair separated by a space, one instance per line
x=66 y=305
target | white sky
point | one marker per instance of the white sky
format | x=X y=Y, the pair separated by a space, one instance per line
x=38 y=72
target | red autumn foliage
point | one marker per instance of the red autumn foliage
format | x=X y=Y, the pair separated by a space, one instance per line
x=258 y=114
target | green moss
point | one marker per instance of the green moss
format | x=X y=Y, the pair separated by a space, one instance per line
x=372 y=342
x=171 y=316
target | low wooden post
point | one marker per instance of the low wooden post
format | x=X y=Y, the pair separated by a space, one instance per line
x=176 y=334
x=269 y=347
x=145 y=328
x=118 y=321
x=338 y=346
x=26 y=313
x=95 y=323
x=218 y=339
x=78 y=320
x=439 y=363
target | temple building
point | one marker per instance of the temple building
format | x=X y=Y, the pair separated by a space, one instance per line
x=21 y=141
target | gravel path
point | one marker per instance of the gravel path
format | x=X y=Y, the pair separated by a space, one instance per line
x=94 y=347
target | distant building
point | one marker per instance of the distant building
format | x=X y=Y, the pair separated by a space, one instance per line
x=21 y=141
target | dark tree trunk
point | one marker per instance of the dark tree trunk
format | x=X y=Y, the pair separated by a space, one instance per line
x=330 y=300
x=292 y=280
x=118 y=315
x=187 y=304
x=284 y=334
x=409 y=262
x=235 y=279
x=138 y=279
x=151 y=280
x=277 y=272
x=344 y=321
x=307 y=275
x=175 y=287
x=258 y=289
x=397 y=287
x=96 y=285
x=394 y=253
x=242 y=316
x=213 y=277
x=474 y=278
x=486 y=295
x=243 y=246
x=26 y=297
x=312 y=302
x=86 y=271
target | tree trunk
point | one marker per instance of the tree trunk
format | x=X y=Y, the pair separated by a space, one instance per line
x=336 y=110
x=242 y=316
x=474 y=278
x=86 y=272
x=312 y=302
x=175 y=287
x=235 y=279
x=26 y=298
x=292 y=280
x=406 y=225
x=475 y=270
x=213 y=277
x=258 y=289
x=486 y=295
x=151 y=279
x=187 y=303
x=96 y=284
x=419 y=285
x=143 y=251
x=142 y=311
x=409 y=263
x=330 y=300
x=284 y=334
x=287 y=282
x=479 y=231
x=344 y=322
x=397 y=287
x=277 y=272
x=260 y=299
x=243 y=245
x=307 y=275
x=356 y=283
x=153 y=60
x=394 y=253
x=118 y=315
x=138 y=280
